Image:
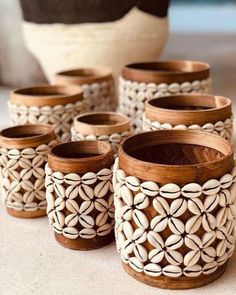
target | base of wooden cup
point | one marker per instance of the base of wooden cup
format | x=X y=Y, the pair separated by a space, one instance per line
x=26 y=214
x=179 y=283
x=85 y=244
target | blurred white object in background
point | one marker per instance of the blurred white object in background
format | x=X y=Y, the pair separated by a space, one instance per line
x=138 y=36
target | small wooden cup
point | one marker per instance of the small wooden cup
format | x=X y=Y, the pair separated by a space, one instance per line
x=23 y=155
x=105 y=126
x=175 y=197
x=80 y=194
x=144 y=81
x=209 y=113
x=97 y=84
x=47 y=104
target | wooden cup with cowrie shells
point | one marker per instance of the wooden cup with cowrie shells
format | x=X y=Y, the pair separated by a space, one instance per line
x=79 y=194
x=175 y=193
x=47 y=104
x=97 y=84
x=143 y=81
x=23 y=155
x=209 y=113
x=105 y=126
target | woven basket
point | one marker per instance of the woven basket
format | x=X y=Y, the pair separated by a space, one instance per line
x=143 y=81
x=175 y=207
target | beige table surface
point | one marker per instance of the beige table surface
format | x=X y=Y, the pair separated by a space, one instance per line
x=31 y=262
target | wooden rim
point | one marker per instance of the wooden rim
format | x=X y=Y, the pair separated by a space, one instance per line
x=83 y=75
x=67 y=157
x=180 y=174
x=24 y=136
x=218 y=108
x=26 y=214
x=179 y=283
x=101 y=123
x=46 y=95
x=168 y=71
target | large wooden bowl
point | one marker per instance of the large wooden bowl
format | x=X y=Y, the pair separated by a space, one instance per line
x=175 y=207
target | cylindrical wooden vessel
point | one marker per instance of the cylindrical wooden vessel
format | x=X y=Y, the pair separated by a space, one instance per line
x=143 y=81
x=47 y=104
x=23 y=155
x=105 y=126
x=202 y=112
x=97 y=85
x=80 y=194
x=175 y=211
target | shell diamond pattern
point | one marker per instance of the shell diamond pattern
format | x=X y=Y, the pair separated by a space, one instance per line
x=60 y=116
x=132 y=95
x=193 y=246
x=80 y=206
x=22 y=177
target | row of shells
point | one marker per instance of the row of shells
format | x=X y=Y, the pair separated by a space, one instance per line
x=87 y=199
x=114 y=139
x=220 y=128
x=60 y=116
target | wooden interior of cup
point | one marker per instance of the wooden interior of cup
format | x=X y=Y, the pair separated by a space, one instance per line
x=102 y=118
x=85 y=73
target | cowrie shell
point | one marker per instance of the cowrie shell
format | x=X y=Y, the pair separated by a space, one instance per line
x=172 y=271
x=221 y=217
x=72 y=179
x=28 y=153
x=59 y=190
x=221 y=233
x=104 y=174
x=222 y=259
x=42 y=205
x=211 y=202
x=173 y=242
x=128 y=230
x=136 y=264
x=141 y=201
x=209 y=127
x=50 y=212
x=226 y=180
x=14 y=154
x=72 y=192
x=17 y=206
x=193 y=242
x=89 y=178
x=191 y=258
x=210 y=268
x=86 y=221
x=140 y=219
x=126 y=212
x=155 y=125
x=176 y=225
x=104 y=230
x=139 y=236
x=59 y=218
x=71 y=220
x=101 y=218
x=86 y=207
x=191 y=190
x=152 y=269
x=115 y=138
x=221 y=248
x=50 y=199
x=126 y=195
x=132 y=183
x=101 y=189
x=58 y=177
x=57 y=228
x=224 y=197
x=70 y=232
x=86 y=192
x=159 y=223
x=208 y=254
x=192 y=271
x=170 y=191
x=42 y=149
x=211 y=187
x=87 y=233
x=25 y=163
x=193 y=224
x=120 y=175
x=149 y=188
x=208 y=238
x=195 y=206
x=59 y=204
x=178 y=207
x=72 y=206
x=38 y=161
x=101 y=205
x=155 y=239
x=161 y=206
x=127 y=247
x=140 y=252
x=208 y=222
x=28 y=197
x=156 y=255
x=174 y=257
x=219 y=126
